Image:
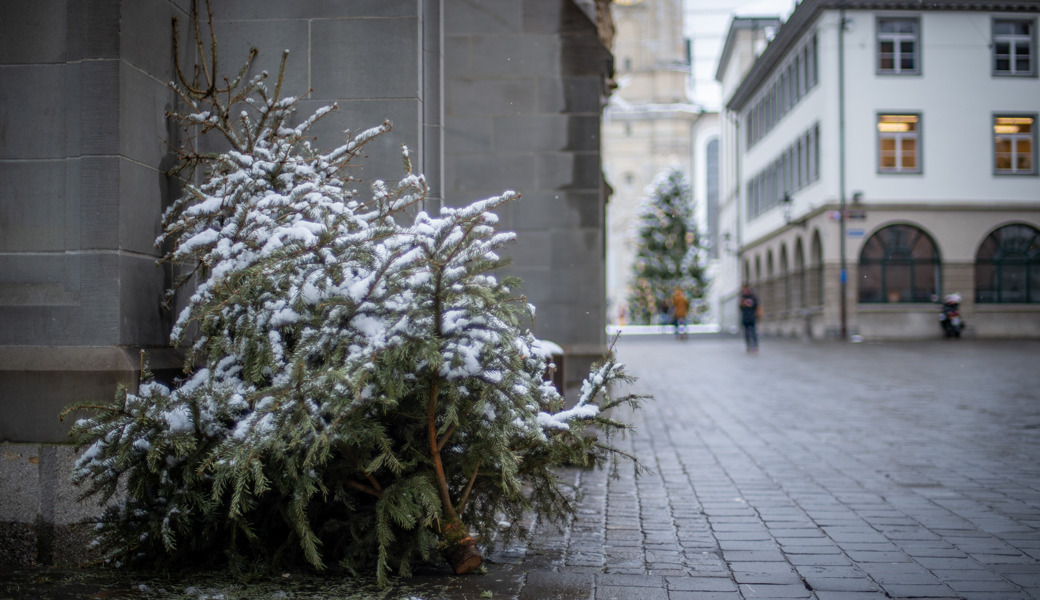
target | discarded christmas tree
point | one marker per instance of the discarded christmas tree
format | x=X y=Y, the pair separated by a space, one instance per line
x=361 y=390
x=668 y=251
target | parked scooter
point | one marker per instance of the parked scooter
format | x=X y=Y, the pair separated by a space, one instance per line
x=950 y=318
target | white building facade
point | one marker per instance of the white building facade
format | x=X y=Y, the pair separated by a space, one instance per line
x=879 y=155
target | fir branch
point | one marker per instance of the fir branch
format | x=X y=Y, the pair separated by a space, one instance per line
x=469 y=487
x=435 y=454
x=364 y=488
x=446 y=436
x=378 y=489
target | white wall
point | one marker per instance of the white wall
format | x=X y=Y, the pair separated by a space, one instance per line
x=956 y=96
x=956 y=198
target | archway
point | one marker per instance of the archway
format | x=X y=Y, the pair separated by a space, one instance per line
x=1007 y=266
x=899 y=263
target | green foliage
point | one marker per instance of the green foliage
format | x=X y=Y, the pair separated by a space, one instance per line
x=355 y=379
x=669 y=251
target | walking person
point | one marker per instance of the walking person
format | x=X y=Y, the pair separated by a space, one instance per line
x=680 y=310
x=748 y=316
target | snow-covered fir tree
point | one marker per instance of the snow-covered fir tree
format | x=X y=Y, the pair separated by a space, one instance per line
x=361 y=390
x=668 y=252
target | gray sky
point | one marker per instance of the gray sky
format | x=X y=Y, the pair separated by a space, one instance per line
x=706 y=23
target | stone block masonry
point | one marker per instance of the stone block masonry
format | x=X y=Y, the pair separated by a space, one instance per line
x=489 y=96
x=41 y=519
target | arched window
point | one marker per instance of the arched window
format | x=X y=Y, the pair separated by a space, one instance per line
x=1007 y=266
x=785 y=280
x=770 y=292
x=798 y=289
x=815 y=291
x=899 y=263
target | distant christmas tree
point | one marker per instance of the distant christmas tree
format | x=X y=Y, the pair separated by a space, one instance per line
x=360 y=392
x=669 y=251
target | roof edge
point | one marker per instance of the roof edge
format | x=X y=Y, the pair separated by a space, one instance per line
x=742 y=24
x=808 y=10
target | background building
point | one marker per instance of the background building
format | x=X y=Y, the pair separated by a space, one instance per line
x=649 y=125
x=878 y=155
x=489 y=95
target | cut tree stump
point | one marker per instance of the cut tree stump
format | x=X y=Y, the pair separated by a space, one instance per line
x=459 y=548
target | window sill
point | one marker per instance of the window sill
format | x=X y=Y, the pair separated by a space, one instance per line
x=1000 y=307
x=881 y=307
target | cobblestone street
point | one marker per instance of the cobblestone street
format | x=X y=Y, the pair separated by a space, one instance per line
x=824 y=470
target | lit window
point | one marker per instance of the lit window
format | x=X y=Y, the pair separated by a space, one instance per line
x=1013 y=48
x=897 y=47
x=1014 y=138
x=899 y=144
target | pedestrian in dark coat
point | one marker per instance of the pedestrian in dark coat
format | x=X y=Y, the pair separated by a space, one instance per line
x=748 y=316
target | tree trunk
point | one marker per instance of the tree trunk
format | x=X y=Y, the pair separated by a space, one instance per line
x=459 y=548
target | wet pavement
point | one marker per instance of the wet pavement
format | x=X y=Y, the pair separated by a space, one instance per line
x=822 y=470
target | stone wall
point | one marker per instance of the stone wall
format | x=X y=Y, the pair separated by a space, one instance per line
x=524 y=90
x=41 y=518
x=489 y=96
x=82 y=152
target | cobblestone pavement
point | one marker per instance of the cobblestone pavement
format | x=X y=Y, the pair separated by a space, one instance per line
x=819 y=470
x=823 y=470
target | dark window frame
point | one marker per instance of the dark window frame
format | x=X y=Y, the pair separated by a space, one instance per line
x=904 y=247
x=815 y=61
x=816 y=153
x=1007 y=251
x=817 y=292
x=998 y=38
x=798 y=301
x=897 y=39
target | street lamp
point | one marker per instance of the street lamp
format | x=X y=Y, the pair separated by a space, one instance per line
x=788 y=203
